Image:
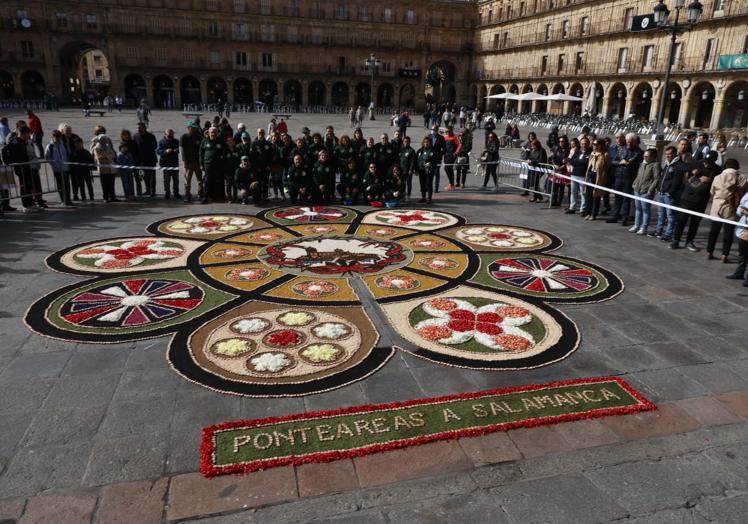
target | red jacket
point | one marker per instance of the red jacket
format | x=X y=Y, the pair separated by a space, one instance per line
x=35 y=125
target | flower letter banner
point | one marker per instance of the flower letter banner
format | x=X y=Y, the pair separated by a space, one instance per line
x=244 y=446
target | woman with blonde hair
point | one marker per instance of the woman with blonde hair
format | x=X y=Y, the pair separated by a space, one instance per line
x=104 y=154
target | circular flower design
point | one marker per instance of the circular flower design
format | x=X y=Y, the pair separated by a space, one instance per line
x=231 y=253
x=131 y=303
x=202 y=225
x=397 y=282
x=121 y=255
x=241 y=320
x=412 y=218
x=247 y=274
x=309 y=214
x=439 y=263
x=495 y=325
x=315 y=288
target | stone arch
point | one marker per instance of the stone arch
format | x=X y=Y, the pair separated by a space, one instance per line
x=736 y=105
x=673 y=102
x=576 y=89
x=526 y=105
x=473 y=96
x=363 y=94
x=7 y=85
x=617 y=100
x=541 y=106
x=385 y=95
x=84 y=70
x=243 y=91
x=217 y=90
x=493 y=104
x=268 y=92
x=189 y=90
x=700 y=105
x=512 y=105
x=482 y=98
x=293 y=93
x=596 y=107
x=339 y=94
x=407 y=95
x=440 y=76
x=163 y=91
x=135 y=89
x=317 y=93
x=642 y=101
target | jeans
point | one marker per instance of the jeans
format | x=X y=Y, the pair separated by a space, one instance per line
x=641 y=217
x=63 y=185
x=577 y=193
x=127 y=175
x=665 y=215
x=171 y=180
x=621 y=207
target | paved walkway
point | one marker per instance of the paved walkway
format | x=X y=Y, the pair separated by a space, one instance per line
x=110 y=433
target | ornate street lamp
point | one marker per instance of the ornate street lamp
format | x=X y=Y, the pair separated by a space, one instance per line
x=661 y=12
x=371 y=63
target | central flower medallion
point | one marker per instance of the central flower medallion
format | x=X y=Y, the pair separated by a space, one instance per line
x=341 y=256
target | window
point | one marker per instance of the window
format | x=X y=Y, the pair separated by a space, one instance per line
x=211 y=5
x=490 y=15
x=341 y=64
x=711 y=48
x=436 y=18
x=410 y=17
x=293 y=8
x=677 y=50
x=266 y=7
x=131 y=52
x=548 y=30
x=579 y=62
x=212 y=28
x=647 y=57
x=719 y=7
x=386 y=67
x=341 y=12
x=267 y=59
x=561 y=63
x=62 y=19
x=629 y=18
x=387 y=14
x=316 y=36
x=508 y=11
x=266 y=33
x=241 y=32
x=584 y=27
x=363 y=13
x=544 y=65
x=27 y=49
x=97 y=59
x=521 y=9
x=22 y=13
x=91 y=22
x=623 y=54
x=241 y=58
x=99 y=73
x=293 y=34
x=315 y=10
x=496 y=41
x=745 y=45
x=214 y=57
x=504 y=39
x=240 y=6
x=565 y=29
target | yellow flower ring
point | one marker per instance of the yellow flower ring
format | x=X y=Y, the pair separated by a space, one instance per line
x=275 y=304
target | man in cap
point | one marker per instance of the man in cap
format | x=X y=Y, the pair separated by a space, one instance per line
x=240 y=128
x=190 y=143
x=212 y=160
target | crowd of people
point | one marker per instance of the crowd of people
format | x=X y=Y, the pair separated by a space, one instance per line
x=226 y=165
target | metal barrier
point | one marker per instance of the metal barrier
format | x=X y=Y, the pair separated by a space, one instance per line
x=43 y=179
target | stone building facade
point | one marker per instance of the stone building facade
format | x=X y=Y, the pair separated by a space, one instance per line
x=174 y=52
x=579 y=47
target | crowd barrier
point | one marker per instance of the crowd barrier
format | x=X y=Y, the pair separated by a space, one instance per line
x=512 y=173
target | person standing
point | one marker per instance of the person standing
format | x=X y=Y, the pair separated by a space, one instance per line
x=35 y=125
x=625 y=164
x=695 y=197
x=232 y=159
x=669 y=188
x=437 y=148
x=535 y=158
x=560 y=160
x=190 y=144
x=644 y=186
x=147 y=145
x=489 y=128
x=701 y=151
x=69 y=138
x=58 y=156
x=127 y=167
x=741 y=232
x=425 y=162
x=491 y=161
x=726 y=191
x=16 y=152
x=407 y=159
x=597 y=170
x=452 y=147
x=103 y=152
x=83 y=163
x=168 y=154
x=212 y=163
x=261 y=157
x=463 y=157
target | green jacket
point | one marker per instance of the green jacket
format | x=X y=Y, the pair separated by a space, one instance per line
x=466 y=139
x=212 y=153
x=231 y=161
x=351 y=179
x=425 y=156
x=323 y=173
x=299 y=177
x=342 y=155
x=407 y=159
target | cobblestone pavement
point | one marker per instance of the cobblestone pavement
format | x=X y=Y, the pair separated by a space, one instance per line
x=111 y=434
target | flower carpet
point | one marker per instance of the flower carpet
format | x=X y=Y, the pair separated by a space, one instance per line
x=279 y=303
x=244 y=446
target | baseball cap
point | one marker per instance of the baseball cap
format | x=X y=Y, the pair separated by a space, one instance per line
x=245 y=157
x=192 y=123
x=245 y=135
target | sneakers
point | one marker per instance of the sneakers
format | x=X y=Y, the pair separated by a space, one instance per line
x=735 y=276
x=673 y=245
x=633 y=228
x=569 y=211
x=692 y=247
x=31 y=209
x=642 y=231
x=654 y=234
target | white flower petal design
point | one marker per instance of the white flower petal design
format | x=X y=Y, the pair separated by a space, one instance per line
x=251 y=325
x=272 y=362
x=439 y=313
x=115 y=291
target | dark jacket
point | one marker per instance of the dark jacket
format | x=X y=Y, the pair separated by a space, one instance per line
x=191 y=147
x=671 y=179
x=634 y=158
x=695 y=191
x=147 y=145
x=579 y=161
x=168 y=159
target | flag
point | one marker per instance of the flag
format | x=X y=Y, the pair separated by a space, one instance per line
x=643 y=23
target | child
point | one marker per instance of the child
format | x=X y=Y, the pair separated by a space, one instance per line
x=125 y=158
x=246 y=181
x=82 y=173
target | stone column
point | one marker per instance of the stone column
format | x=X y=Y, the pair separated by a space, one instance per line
x=230 y=89
x=685 y=115
x=305 y=93
x=203 y=89
x=629 y=106
x=149 y=89
x=717 y=113
x=177 y=93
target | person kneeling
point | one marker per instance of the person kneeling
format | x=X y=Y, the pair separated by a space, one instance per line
x=349 y=187
x=247 y=182
x=300 y=182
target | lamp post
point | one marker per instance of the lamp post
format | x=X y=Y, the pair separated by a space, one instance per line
x=371 y=63
x=661 y=12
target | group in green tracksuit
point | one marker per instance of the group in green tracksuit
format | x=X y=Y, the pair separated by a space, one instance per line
x=300 y=182
x=351 y=183
x=426 y=163
x=323 y=173
x=212 y=160
x=232 y=158
x=407 y=164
